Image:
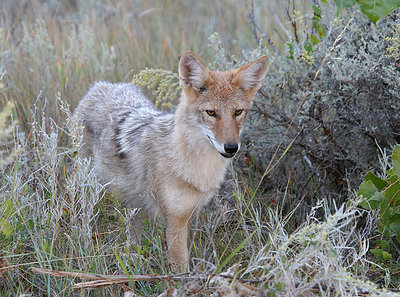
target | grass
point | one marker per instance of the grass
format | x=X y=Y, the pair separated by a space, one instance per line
x=55 y=214
x=105 y=40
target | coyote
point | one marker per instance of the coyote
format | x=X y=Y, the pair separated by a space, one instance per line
x=169 y=164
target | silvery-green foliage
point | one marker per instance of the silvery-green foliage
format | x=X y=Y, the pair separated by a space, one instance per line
x=221 y=59
x=393 y=49
x=164 y=85
x=54 y=194
x=352 y=108
x=318 y=258
x=7 y=126
x=83 y=192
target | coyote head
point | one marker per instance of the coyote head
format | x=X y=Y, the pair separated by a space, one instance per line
x=217 y=102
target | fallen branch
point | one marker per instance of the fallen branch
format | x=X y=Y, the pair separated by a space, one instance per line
x=99 y=280
x=107 y=280
x=74 y=274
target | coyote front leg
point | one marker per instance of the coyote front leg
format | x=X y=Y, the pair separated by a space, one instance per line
x=177 y=231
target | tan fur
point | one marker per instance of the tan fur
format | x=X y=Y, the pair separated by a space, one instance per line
x=164 y=164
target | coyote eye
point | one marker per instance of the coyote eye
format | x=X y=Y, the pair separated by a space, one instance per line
x=202 y=89
x=238 y=112
x=211 y=113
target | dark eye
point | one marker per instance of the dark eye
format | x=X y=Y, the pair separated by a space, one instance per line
x=238 y=112
x=211 y=113
x=202 y=89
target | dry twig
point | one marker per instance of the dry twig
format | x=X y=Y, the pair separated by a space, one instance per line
x=107 y=280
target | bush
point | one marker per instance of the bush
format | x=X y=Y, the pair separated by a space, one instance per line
x=353 y=108
x=381 y=195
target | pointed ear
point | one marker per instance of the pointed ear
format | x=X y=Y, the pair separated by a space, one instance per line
x=250 y=76
x=191 y=72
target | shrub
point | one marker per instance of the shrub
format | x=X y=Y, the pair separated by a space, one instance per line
x=352 y=109
x=381 y=194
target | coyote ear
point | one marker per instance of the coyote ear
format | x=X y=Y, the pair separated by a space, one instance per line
x=250 y=76
x=191 y=71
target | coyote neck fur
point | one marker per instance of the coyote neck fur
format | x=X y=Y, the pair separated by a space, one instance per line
x=195 y=160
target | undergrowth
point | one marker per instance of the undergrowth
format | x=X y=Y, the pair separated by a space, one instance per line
x=61 y=218
x=290 y=228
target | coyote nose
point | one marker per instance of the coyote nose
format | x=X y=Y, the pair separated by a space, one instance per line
x=231 y=148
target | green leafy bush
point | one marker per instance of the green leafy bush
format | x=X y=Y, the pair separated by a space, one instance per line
x=373 y=9
x=383 y=194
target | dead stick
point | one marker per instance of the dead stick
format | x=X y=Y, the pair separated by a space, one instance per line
x=98 y=283
x=108 y=280
x=71 y=274
x=102 y=280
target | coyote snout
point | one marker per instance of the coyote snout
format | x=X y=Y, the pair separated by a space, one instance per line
x=230 y=149
x=227 y=150
x=169 y=164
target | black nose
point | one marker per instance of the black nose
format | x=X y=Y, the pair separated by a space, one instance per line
x=231 y=148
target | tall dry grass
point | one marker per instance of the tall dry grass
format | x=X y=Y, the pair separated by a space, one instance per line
x=49 y=47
